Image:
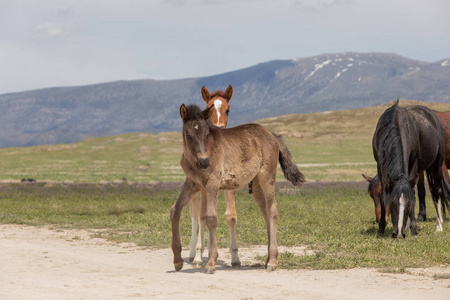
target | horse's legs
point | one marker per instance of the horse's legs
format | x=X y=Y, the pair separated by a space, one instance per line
x=411 y=222
x=264 y=195
x=199 y=246
x=383 y=219
x=439 y=192
x=211 y=221
x=187 y=192
x=422 y=215
x=194 y=211
x=445 y=193
x=231 y=217
x=446 y=186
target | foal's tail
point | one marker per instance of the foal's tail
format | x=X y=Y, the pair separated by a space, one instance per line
x=290 y=170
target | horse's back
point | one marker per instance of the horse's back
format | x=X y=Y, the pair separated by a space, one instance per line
x=426 y=120
x=246 y=150
x=419 y=129
x=429 y=136
x=255 y=133
x=444 y=118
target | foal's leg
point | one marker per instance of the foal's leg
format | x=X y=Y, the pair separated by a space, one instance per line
x=264 y=195
x=211 y=221
x=231 y=217
x=199 y=246
x=187 y=192
x=194 y=211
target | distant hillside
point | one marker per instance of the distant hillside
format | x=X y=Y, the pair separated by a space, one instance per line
x=328 y=146
x=320 y=83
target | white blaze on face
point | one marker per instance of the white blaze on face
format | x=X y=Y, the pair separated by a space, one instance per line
x=400 y=215
x=217 y=105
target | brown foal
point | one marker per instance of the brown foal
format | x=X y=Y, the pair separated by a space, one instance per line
x=228 y=159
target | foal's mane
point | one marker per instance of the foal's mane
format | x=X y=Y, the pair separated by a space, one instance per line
x=193 y=113
x=218 y=93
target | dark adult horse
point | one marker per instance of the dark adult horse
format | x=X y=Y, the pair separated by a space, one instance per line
x=228 y=159
x=408 y=141
x=374 y=187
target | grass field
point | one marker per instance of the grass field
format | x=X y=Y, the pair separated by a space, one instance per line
x=336 y=220
x=327 y=146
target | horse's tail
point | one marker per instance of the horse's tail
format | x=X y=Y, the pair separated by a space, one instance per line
x=290 y=170
x=443 y=188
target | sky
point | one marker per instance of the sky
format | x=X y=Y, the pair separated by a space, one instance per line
x=78 y=42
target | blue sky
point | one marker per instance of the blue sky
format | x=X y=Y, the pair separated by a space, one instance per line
x=77 y=42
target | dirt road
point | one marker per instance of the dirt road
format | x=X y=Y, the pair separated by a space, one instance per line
x=40 y=263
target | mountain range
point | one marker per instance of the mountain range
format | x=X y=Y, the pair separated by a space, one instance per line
x=320 y=83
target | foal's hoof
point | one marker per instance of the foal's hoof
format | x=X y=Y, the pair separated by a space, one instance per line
x=178 y=267
x=197 y=264
x=271 y=268
x=210 y=270
x=236 y=265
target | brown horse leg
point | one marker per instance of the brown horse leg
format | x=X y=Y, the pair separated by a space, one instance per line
x=422 y=215
x=187 y=192
x=194 y=211
x=265 y=198
x=211 y=222
x=231 y=218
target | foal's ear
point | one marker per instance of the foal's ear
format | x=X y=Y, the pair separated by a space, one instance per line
x=207 y=113
x=391 y=180
x=205 y=94
x=369 y=179
x=229 y=93
x=183 y=111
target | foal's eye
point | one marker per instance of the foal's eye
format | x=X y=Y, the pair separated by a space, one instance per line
x=189 y=137
x=227 y=111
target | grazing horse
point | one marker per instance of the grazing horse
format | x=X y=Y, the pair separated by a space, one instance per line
x=228 y=159
x=374 y=188
x=219 y=118
x=408 y=141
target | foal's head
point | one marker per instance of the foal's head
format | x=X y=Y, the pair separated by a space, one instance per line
x=220 y=100
x=196 y=133
x=374 y=190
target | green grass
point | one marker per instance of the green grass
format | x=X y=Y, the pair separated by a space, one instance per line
x=336 y=221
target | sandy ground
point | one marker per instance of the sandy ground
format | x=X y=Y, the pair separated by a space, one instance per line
x=41 y=263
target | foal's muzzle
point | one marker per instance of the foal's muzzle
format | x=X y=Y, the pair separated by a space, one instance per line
x=202 y=163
